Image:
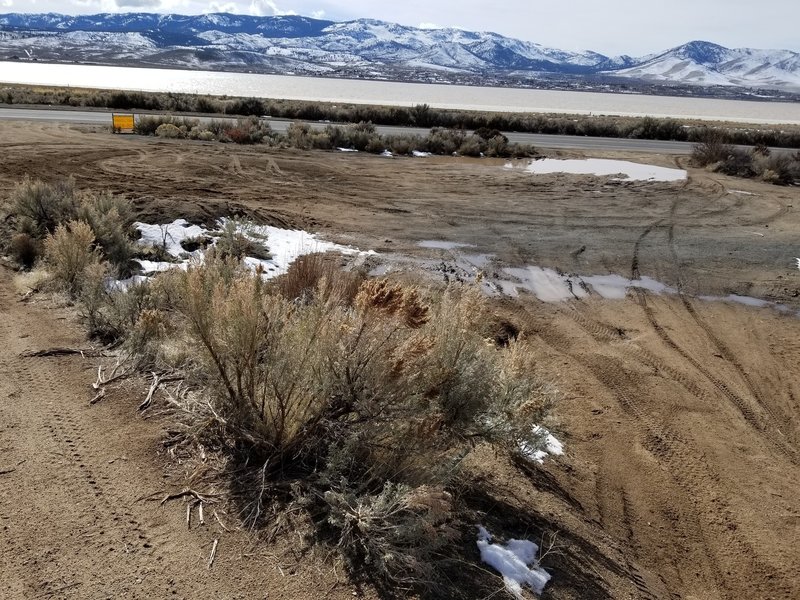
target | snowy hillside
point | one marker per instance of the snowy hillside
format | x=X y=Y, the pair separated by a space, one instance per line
x=363 y=47
x=710 y=64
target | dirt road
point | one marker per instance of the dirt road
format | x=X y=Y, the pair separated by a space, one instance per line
x=72 y=524
x=680 y=417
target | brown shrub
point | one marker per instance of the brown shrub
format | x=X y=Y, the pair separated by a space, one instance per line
x=24 y=249
x=319 y=273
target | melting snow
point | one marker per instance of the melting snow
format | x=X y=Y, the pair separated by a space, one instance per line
x=597 y=166
x=419 y=154
x=552 y=446
x=551 y=286
x=442 y=245
x=170 y=235
x=284 y=245
x=516 y=562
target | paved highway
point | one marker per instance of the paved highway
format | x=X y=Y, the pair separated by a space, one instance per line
x=558 y=142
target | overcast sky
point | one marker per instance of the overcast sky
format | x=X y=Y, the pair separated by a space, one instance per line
x=633 y=27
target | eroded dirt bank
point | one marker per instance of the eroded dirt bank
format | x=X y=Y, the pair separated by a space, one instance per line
x=681 y=418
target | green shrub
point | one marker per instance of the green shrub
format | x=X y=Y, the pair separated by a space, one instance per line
x=40 y=207
x=111 y=220
x=321 y=400
x=235 y=242
x=247 y=107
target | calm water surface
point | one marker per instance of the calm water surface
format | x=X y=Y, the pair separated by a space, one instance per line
x=393 y=93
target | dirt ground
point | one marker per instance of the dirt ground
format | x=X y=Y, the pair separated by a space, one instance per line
x=680 y=417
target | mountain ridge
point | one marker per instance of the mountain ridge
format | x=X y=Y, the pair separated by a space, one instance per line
x=367 y=48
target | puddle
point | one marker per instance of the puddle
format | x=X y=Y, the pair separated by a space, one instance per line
x=549 y=285
x=442 y=245
x=626 y=170
x=546 y=284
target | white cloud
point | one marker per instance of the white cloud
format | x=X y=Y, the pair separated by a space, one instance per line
x=217 y=7
x=6 y=3
x=267 y=7
x=318 y=14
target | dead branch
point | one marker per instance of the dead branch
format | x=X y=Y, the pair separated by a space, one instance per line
x=200 y=512
x=84 y=352
x=149 y=399
x=113 y=376
x=210 y=499
x=98 y=396
x=188 y=516
x=158 y=381
x=213 y=553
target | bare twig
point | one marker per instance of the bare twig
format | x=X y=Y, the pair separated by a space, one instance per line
x=98 y=396
x=221 y=524
x=213 y=553
x=200 y=512
x=188 y=516
x=549 y=546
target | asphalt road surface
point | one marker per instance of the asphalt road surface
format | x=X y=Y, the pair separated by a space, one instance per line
x=558 y=142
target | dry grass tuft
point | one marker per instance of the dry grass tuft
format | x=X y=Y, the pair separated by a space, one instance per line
x=69 y=251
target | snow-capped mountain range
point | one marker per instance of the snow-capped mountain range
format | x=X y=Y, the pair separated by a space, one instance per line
x=364 y=48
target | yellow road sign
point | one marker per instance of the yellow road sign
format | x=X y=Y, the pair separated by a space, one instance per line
x=122 y=122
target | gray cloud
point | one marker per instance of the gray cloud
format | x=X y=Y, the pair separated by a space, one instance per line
x=137 y=3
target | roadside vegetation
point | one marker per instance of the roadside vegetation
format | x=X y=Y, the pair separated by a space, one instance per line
x=716 y=154
x=340 y=407
x=362 y=137
x=420 y=115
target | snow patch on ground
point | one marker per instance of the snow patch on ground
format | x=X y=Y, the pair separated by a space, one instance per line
x=627 y=171
x=515 y=561
x=552 y=446
x=284 y=246
x=549 y=285
x=169 y=235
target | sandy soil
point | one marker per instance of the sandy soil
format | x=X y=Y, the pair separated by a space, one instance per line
x=681 y=417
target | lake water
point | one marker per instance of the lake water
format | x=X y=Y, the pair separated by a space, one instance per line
x=394 y=93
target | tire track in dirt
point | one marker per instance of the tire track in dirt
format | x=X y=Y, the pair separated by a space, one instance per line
x=712 y=524
x=70 y=523
x=772 y=420
x=691 y=471
x=79 y=484
x=758 y=417
x=657 y=440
